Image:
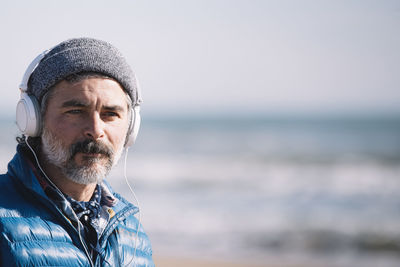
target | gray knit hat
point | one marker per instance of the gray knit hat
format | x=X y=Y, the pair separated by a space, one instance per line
x=79 y=55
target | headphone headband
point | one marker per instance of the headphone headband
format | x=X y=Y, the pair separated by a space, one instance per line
x=35 y=62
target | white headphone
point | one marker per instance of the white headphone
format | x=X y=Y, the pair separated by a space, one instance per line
x=28 y=115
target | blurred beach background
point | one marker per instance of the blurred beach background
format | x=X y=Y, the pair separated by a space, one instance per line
x=270 y=129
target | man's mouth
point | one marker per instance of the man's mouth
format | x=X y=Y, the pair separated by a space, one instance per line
x=92 y=155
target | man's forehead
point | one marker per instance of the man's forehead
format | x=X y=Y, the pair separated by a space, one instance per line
x=86 y=91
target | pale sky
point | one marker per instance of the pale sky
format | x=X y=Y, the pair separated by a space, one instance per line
x=195 y=56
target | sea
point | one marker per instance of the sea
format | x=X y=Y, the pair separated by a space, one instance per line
x=306 y=190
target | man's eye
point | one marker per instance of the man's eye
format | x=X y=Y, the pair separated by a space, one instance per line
x=110 y=114
x=74 y=111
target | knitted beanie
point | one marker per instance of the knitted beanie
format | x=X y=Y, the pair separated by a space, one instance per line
x=81 y=55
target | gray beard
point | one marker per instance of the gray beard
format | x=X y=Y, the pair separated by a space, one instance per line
x=91 y=172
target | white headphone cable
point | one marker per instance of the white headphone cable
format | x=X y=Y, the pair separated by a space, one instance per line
x=137 y=203
x=59 y=191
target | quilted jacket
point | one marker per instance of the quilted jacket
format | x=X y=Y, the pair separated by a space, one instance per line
x=34 y=232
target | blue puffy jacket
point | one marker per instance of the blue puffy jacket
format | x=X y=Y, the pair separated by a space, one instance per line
x=34 y=232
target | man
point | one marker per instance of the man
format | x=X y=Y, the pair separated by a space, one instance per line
x=55 y=207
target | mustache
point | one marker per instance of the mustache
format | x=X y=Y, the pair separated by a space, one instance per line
x=89 y=146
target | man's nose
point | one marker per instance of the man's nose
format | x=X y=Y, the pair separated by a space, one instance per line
x=94 y=127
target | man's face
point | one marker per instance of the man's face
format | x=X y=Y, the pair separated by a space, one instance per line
x=85 y=127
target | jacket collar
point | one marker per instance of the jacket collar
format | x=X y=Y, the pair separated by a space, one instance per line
x=24 y=168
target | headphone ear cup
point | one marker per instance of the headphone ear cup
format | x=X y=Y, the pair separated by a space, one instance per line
x=28 y=115
x=134 y=126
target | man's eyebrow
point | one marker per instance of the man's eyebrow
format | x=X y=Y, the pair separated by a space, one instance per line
x=73 y=103
x=80 y=104
x=114 y=108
